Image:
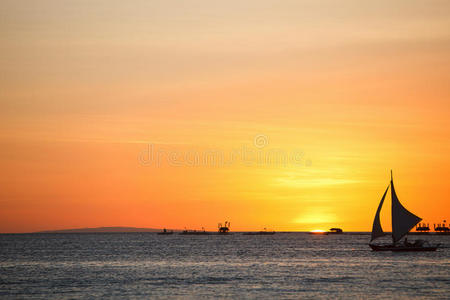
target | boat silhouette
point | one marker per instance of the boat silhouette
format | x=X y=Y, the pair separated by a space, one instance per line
x=335 y=231
x=165 y=231
x=402 y=222
x=422 y=228
x=194 y=232
x=442 y=228
x=224 y=229
x=262 y=232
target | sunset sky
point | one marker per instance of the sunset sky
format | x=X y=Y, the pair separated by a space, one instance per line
x=172 y=113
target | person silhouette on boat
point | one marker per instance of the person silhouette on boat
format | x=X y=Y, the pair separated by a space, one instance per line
x=406 y=243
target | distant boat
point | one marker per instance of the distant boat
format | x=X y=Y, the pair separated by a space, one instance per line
x=224 y=229
x=335 y=231
x=262 y=232
x=402 y=222
x=194 y=232
x=422 y=228
x=165 y=231
x=442 y=228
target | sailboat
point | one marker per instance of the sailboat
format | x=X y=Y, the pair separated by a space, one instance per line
x=402 y=222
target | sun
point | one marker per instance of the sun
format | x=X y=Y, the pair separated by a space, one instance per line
x=318 y=231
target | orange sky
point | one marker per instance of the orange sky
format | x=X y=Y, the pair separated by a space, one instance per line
x=349 y=89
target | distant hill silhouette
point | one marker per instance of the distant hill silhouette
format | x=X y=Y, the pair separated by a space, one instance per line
x=102 y=229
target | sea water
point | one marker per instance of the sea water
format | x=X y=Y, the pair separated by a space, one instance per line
x=284 y=265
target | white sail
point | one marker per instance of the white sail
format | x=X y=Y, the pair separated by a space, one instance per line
x=402 y=220
x=377 y=230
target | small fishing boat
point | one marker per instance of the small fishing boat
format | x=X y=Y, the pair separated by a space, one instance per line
x=262 y=232
x=224 y=229
x=422 y=229
x=335 y=231
x=402 y=222
x=442 y=229
x=165 y=231
x=194 y=232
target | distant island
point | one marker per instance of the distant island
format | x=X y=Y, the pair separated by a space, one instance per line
x=102 y=230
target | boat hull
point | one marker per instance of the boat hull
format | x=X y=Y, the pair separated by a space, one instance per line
x=403 y=248
x=260 y=233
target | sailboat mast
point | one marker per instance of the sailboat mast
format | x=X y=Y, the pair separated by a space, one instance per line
x=392 y=231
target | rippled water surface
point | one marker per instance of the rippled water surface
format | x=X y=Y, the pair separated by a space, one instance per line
x=285 y=265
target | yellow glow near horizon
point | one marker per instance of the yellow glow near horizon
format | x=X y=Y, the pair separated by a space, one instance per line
x=316 y=217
